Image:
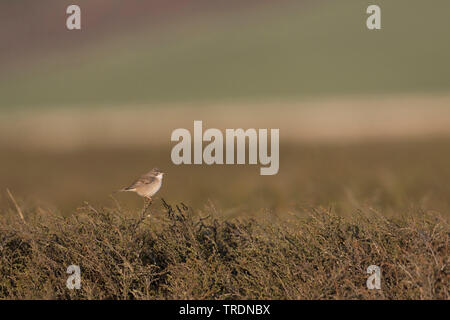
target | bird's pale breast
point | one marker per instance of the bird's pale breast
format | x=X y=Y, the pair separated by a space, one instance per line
x=148 y=190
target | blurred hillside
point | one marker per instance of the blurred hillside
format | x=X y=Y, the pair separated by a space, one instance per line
x=139 y=52
x=30 y=29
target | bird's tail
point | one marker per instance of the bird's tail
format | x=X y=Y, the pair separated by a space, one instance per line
x=122 y=190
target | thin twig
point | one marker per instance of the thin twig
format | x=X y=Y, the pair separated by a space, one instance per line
x=147 y=204
x=117 y=203
x=19 y=211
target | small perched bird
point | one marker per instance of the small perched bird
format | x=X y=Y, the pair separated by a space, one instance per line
x=147 y=185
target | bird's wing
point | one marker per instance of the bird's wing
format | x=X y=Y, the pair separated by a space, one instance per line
x=140 y=182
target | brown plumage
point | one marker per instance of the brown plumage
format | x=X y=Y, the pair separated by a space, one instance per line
x=146 y=185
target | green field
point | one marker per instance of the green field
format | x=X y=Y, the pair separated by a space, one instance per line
x=294 y=49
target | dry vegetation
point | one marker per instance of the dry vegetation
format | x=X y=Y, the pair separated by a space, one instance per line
x=309 y=232
x=176 y=254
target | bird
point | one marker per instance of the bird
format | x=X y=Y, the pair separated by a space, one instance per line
x=146 y=185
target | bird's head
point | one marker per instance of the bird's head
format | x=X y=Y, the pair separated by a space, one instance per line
x=157 y=173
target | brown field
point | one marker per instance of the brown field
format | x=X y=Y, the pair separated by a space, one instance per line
x=389 y=152
x=393 y=177
x=331 y=120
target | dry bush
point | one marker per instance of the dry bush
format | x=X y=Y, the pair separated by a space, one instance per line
x=183 y=256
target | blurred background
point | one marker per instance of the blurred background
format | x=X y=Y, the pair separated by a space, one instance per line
x=364 y=116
